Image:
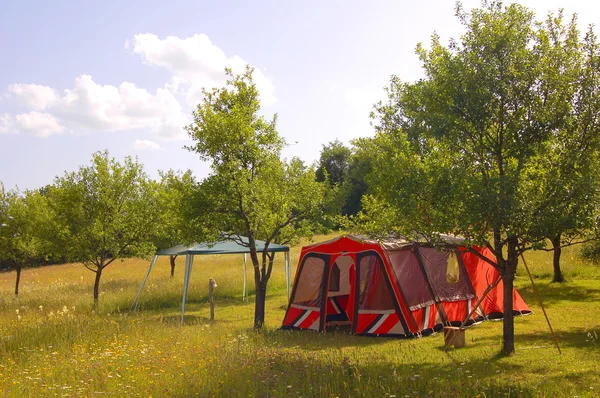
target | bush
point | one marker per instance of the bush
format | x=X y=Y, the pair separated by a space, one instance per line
x=591 y=251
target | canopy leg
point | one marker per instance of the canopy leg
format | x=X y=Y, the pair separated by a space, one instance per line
x=186 y=281
x=287 y=273
x=136 y=300
x=245 y=291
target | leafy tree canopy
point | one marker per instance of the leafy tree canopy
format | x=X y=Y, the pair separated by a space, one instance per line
x=461 y=151
x=251 y=191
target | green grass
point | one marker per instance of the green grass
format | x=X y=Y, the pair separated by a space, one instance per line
x=56 y=344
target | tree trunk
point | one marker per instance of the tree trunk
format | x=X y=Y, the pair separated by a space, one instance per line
x=172 y=260
x=508 y=330
x=259 y=305
x=97 y=284
x=508 y=277
x=558 y=277
x=18 y=269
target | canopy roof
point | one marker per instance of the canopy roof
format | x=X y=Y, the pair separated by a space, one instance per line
x=222 y=247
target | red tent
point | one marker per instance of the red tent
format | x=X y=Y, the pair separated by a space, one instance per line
x=390 y=288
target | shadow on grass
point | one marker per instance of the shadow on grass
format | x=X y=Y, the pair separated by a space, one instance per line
x=190 y=320
x=173 y=301
x=571 y=338
x=269 y=373
x=554 y=293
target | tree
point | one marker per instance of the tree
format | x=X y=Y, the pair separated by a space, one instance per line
x=344 y=169
x=22 y=220
x=106 y=211
x=250 y=192
x=174 y=191
x=463 y=142
x=567 y=170
x=334 y=163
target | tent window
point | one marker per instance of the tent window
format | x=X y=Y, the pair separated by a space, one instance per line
x=308 y=288
x=410 y=278
x=334 y=278
x=374 y=292
x=436 y=264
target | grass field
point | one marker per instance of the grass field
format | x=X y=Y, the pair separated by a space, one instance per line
x=53 y=343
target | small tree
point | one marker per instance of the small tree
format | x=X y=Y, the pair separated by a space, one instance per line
x=106 y=211
x=567 y=170
x=174 y=191
x=22 y=220
x=251 y=192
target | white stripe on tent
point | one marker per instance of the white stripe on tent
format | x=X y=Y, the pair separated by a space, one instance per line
x=378 y=324
x=303 y=318
x=469 y=306
x=426 y=318
x=335 y=306
x=136 y=300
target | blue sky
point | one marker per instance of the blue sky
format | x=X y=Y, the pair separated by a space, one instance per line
x=78 y=77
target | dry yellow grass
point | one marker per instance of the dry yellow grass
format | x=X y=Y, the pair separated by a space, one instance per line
x=52 y=342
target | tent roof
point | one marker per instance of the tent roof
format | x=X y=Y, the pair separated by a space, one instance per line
x=390 y=243
x=222 y=247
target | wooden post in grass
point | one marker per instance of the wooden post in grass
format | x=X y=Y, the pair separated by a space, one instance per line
x=452 y=336
x=211 y=285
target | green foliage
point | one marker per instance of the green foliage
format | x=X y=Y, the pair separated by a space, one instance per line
x=104 y=211
x=591 y=251
x=477 y=147
x=174 y=191
x=23 y=220
x=251 y=192
x=345 y=169
x=334 y=163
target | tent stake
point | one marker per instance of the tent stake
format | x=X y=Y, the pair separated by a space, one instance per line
x=485 y=293
x=541 y=305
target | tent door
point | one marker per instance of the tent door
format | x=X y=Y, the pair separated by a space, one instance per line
x=339 y=287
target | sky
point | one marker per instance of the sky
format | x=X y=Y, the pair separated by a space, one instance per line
x=80 y=77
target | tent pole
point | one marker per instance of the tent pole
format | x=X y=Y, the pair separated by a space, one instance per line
x=186 y=282
x=245 y=291
x=541 y=305
x=287 y=273
x=485 y=293
x=136 y=300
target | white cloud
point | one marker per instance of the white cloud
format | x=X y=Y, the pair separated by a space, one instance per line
x=195 y=62
x=5 y=124
x=147 y=145
x=38 y=123
x=91 y=107
x=88 y=106
x=34 y=95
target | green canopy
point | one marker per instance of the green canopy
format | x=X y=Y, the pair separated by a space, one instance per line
x=221 y=247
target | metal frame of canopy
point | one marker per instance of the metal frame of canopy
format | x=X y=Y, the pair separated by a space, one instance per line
x=223 y=247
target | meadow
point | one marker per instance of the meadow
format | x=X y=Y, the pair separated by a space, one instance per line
x=54 y=342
